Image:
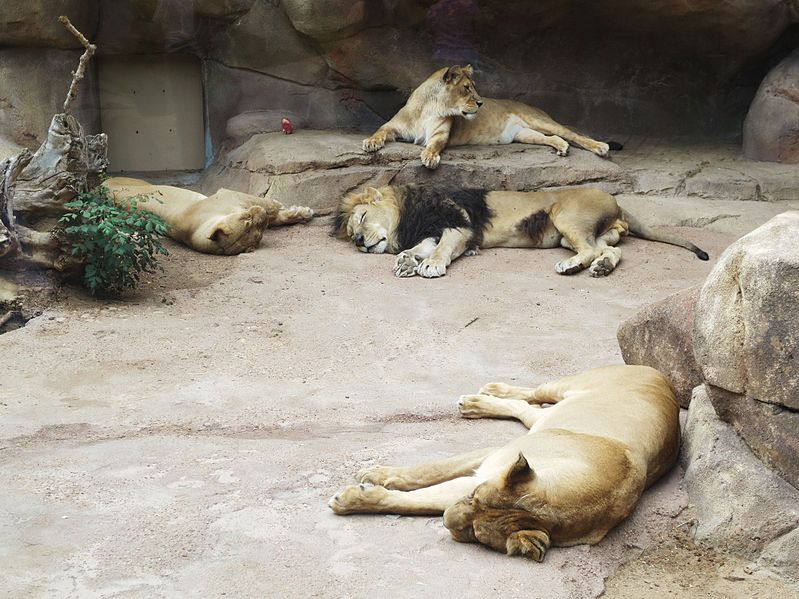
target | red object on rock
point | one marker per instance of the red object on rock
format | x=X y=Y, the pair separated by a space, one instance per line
x=288 y=128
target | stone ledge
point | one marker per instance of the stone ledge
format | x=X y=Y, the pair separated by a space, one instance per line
x=315 y=168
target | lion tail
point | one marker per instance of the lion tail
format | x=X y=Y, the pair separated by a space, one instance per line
x=615 y=145
x=639 y=229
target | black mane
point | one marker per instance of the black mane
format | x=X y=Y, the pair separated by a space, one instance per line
x=426 y=211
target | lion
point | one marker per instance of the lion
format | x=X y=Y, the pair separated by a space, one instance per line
x=579 y=471
x=428 y=227
x=227 y=222
x=446 y=110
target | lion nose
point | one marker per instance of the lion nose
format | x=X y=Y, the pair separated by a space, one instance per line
x=359 y=239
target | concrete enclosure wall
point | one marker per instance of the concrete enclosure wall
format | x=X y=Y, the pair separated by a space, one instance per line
x=661 y=68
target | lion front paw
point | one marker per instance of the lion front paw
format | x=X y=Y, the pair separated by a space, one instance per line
x=374 y=143
x=431 y=268
x=497 y=390
x=601 y=267
x=562 y=149
x=431 y=159
x=568 y=267
x=357 y=499
x=406 y=264
x=383 y=476
x=471 y=406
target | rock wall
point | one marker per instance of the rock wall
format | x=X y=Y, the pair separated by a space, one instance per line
x=664 y=67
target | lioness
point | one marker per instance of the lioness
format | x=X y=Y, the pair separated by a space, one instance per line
x=612 y=432
x=447 y=110
x=227 y=222
x=431 y=226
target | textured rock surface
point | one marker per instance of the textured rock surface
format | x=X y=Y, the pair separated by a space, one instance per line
x=318 y=167
x=35 y=22
x=747 y=333
x=771 y=431
x=771 y=128
x=740 y=504
x=668 y=67
x=34 y=84
x=660 y=335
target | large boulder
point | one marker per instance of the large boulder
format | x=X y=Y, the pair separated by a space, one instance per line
x=740 y=504
x=746 y=340
x=771 y=128
x=660 y=335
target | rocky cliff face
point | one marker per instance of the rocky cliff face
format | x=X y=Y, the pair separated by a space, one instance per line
x=663 y=67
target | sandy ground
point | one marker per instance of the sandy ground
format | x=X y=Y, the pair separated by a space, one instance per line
x=183 y=441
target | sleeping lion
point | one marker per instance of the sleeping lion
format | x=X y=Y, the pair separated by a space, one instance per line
x=577 y=473
x=446 y=110
x=429 y=227
x=227 y=222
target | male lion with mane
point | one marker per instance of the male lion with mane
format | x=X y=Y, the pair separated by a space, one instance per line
x=580 y=470
x=446 y=110
x=430 y=226
x=227 y=222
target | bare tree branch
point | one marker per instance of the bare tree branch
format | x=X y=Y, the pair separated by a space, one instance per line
x=84 y=59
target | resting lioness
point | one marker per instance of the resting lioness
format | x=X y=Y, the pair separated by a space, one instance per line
x=446 y=110
x=227 y=222
x=431 y=226
x=612 y=432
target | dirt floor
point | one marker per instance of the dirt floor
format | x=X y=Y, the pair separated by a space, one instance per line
x=184 y=440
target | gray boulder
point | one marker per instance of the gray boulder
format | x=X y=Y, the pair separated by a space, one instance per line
x=660 y=335
x=771 y=128
x=741 y=506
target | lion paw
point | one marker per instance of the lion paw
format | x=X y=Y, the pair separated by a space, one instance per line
x=601 y=268
x=357 y=498
x=497 y=390
x=471 y=406
x=431 y=159
x=562 y=150
x=568 y=267
x=299 y=213
x=382 y=476
x=602 y=149
x=406 y=264
x=374 y=143
x=430 y=268
x=472 y=252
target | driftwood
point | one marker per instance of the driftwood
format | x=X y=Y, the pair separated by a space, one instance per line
x=35 y=186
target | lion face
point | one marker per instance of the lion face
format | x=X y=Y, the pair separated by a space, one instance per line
x=368 y=220
x=239 y=232
x=491 y=515
x=459 y=95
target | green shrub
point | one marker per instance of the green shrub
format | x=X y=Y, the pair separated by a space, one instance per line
x=115 y=243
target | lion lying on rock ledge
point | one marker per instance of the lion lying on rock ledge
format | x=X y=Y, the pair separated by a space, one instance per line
x=611 y=433
x=227 y=222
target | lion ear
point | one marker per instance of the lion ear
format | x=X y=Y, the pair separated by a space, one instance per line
x=451 y=73
x=375 y=194
x=519 y=472
x=468 y=70
x=220 y=229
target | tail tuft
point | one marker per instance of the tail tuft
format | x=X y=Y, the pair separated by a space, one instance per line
x=615 y=146
x=702 y=255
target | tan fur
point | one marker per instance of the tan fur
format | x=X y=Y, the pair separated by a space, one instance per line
x=579 y=471
x=446 y=110
x=585 y=220
x=227 y=222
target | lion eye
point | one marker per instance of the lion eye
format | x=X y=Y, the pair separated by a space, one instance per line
x=363 y=216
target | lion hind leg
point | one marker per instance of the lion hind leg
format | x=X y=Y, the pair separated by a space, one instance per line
x=609 y=256
x=291 y=215
x=424 y=475
x=531 y=136
x=365 y=499
x=546 y=393
x=553 y=128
